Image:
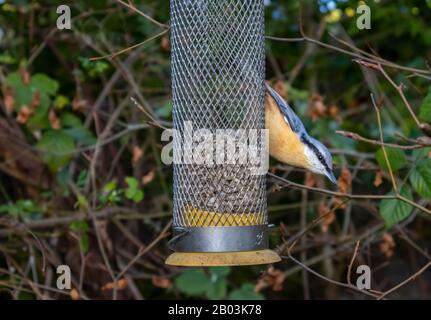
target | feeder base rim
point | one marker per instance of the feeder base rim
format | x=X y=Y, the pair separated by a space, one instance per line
x=211 y=259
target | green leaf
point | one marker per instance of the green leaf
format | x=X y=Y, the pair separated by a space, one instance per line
x=69 y=120
x=61 y=101
x=23 y=208
x=22 y=93
x=81 y=202
x=246 y=292
x=44 y=84
x=93 y=68
x=429 y=3
x=217 y=289
x=74 y=127
x=56 y=148
x=40 y=118
x=133 y=192
x=79 y=226
x=84 y=242
x=82 y=179
x=110 y=186
x=425 y=109
x=6 y=59
x=132 y=182
x=420 y=178
x=14 y=80
x=4 y=208
x=394 y=211
x=82 y=135
x=397 y=158
x=136 y=196
x=421 y=153
x=219 y=271
x=193 y=282
x=110 y=193
x=218 y=286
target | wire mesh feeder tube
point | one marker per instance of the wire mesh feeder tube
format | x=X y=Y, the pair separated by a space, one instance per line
x=220 y=214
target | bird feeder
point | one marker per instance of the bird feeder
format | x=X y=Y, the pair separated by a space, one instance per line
x=218 y=63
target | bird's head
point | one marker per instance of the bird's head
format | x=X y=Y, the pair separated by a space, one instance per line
x=319 y=158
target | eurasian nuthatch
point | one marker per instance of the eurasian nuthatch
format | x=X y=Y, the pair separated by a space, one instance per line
x=289 y=141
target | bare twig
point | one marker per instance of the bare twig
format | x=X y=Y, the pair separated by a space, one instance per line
x=353 y=54
x=388 y=164
x=341 y=284
x=146 y=16
x=141 y=252
x=112 y=55
x=411 y=278
x=349 y=270
x=356 y=136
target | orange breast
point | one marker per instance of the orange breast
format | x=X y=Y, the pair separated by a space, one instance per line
x=284 y=144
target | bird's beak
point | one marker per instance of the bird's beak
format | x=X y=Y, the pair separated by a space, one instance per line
x=331 y=177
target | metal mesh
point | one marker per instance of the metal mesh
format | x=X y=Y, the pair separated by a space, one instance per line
x=212 y=41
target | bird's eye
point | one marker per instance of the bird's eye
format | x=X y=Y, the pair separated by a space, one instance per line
x=320 y=157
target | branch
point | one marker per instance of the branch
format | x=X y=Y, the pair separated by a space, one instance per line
x=353 y=54
x=133 y=8
x=425 y=127
x=341 y=284
x=358 y=137
x=412 y=277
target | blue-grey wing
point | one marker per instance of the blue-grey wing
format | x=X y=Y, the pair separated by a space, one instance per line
x=289 y=115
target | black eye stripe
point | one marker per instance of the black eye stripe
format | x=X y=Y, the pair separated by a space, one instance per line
x=316 y=151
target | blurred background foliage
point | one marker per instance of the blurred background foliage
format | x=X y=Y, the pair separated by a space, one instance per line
x=82 y=184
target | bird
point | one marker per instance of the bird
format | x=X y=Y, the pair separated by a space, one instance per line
x=289 y=141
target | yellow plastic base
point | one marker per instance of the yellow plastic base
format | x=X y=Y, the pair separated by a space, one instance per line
x=210 y=259
x=200 y=218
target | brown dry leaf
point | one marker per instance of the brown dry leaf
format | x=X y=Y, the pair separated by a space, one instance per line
x=273 y=278
x=344 y=181
x=146 y=179
x=24 y=114
x=166 y=44
x=334 y=112
x=281 y=88
x=74 y=294
x=387 y=245
x=35 y=102
x=9 y=100
x=327 y=215
x=378 y=178
x=54 y=120
x=282 y=229
x=316 y=107
x=121 y=285
x=80 y=105
x=161 y=282
x=310 y=179
x=137 y=154
x=276 y=188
